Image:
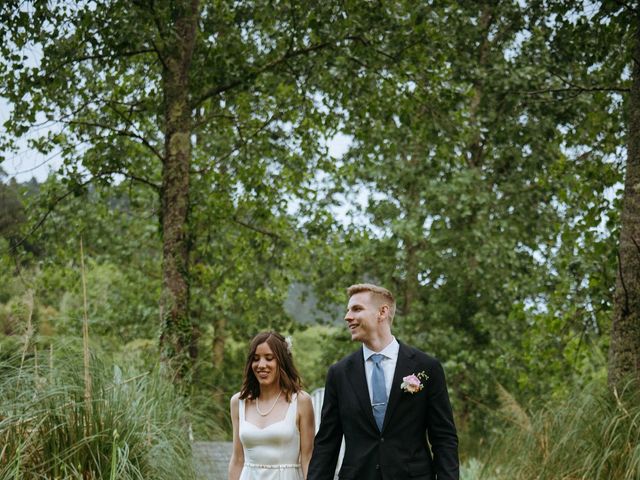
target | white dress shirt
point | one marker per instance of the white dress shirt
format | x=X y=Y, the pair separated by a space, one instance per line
x=388 y=364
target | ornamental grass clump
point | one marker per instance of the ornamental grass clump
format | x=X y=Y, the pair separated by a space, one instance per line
x=134 y=426
x=593 y=435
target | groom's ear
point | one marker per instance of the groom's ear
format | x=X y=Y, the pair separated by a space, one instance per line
x=383 y=311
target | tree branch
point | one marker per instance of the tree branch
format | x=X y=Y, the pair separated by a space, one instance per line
x=123 y=133
x=577 y=89
x=84 y=58
x=256 y=229
x=125 y=174
x=628 y=6
x=128 y=121
x=40 y=222
x=58 y=200
x=240 y=144
x=204 y=120
x=252 y=75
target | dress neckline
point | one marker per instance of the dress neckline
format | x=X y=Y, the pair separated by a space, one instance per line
x=286 y=415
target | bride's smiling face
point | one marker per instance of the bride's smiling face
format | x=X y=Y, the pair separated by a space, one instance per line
x=265 y=365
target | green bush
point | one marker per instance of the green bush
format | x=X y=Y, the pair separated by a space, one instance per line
x=131 y=426
x=595 y=434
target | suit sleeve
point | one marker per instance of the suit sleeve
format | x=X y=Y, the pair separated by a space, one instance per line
x=326 y=447
x=441 y=429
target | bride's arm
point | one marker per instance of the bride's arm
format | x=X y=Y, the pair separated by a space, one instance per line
x=307 y=428
x=237 y=455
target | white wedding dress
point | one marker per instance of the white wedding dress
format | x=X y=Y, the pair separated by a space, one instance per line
x=273 y=452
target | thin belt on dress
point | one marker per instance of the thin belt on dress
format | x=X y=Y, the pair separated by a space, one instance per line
x=281 y=466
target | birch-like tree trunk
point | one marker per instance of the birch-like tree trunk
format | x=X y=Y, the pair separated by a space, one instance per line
x=175 y=338
x=624 y=352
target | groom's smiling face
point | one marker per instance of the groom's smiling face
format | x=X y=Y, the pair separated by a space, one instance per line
x=363 y=317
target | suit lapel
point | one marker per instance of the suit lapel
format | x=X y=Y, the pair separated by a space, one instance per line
x=359 y=385
x=404 y=366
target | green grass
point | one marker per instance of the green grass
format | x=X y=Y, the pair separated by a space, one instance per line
x=471 y=469
x=134 y=426
x=593 y=435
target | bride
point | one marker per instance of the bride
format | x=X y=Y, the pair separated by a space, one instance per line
x=273 y=423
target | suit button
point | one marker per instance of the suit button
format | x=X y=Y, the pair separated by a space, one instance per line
x=377 y=467
x=382 y=440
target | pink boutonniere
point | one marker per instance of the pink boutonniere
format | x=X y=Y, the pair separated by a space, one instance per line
x=412 y=384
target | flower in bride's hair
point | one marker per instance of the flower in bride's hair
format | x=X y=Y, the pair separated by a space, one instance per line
x=289 y=341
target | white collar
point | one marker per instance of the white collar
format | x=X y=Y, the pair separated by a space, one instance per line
x=390 y=351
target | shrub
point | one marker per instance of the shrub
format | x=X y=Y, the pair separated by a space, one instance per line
x=593 y=435
x=131 y=426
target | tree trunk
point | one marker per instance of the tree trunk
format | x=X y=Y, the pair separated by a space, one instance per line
x=476 y=143
x=175 y=338
x=624 y=351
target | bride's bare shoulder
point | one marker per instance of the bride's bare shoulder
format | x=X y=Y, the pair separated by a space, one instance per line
x=304 y=398
x=304 y=395
x=235 y=398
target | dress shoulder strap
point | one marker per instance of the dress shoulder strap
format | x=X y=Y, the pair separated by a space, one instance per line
x=293 y=410
x=241 y=409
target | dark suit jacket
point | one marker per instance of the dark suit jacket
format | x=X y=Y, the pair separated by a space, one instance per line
x=400 y=451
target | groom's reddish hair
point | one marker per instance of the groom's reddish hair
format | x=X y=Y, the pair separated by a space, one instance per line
x=380 y=293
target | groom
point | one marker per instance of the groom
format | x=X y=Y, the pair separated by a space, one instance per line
x=385 y=417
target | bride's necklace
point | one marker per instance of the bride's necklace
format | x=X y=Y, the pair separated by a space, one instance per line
x=264 y=414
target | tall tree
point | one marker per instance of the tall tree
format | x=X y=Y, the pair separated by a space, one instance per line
x=595 y=48
x=177 y=46
x=488 y=158
x=624 y=353
x=220 y=98
x=167 y=94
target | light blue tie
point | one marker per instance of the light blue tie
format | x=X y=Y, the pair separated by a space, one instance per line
x=379 y=390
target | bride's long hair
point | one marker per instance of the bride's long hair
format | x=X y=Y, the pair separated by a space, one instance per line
x=290 y=381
